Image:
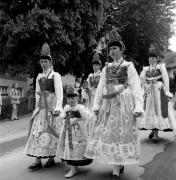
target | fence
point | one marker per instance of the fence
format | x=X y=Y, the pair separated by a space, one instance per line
x=6 y=109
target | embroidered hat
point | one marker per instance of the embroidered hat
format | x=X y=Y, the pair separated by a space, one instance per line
x=153 y=54
x=115 y=40
x=96 y=59
x=70 y=92
x=45 y=52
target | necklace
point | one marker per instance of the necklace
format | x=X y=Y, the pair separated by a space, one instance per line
x=152 y=71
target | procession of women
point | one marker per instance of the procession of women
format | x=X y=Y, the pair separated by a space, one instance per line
x=104 y=128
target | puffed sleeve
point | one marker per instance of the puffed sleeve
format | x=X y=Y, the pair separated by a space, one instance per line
x=59 y=91
x=0 y=100
x=37 y=91
x=85 y=113
x=99 y=91
x=165 y=78
x=143 y=75
x=134 y=82
x=88 y=81
x=84 y=93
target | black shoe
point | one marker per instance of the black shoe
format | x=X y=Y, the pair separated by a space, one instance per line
x=156 y=140
x=49 y=164
x=122 y=169
x=115 y=177
x=151 y=135
x=35 y=166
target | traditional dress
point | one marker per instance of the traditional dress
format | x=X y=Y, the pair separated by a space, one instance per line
x=49 y=95
x=115 y=137
x=0 y=102
x=89 y=95
x=15 y=96
x=73 y=137
x=15 y=101
x=159 y=113
x=92 y=83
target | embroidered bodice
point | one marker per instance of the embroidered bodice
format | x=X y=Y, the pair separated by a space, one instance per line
x=73 y=114
x=154 y=74
x=116 y=74
x=47 y=84
x=94 y=80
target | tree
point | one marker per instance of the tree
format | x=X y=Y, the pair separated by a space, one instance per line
x=141 y=23
x=70 y=28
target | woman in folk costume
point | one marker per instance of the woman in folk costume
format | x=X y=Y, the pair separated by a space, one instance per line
x=118 y=101
x=42 y=142
x=92 y=82
x=159 y=113
x=0 y=102
x=90 y=88
x=15 y=101
x=73 y=134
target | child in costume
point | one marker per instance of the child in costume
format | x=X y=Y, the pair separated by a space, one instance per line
x=73 y=134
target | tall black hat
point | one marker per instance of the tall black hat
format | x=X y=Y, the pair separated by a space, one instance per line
x=153 y=54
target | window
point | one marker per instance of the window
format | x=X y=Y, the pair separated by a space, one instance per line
x=4 y=90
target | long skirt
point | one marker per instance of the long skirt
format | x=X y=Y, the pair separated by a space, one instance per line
x=72 y=143
x=159 y=112
x=115 y=137
x=42 y=142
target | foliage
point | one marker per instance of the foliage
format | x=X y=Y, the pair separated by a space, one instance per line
x=142 y=23
x=70 y=28
x=73 y=28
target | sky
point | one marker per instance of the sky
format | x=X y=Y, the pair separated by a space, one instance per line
x=172 y=41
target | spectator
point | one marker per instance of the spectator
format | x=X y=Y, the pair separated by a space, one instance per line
x=15 y=100
x=31 y=97
x=0 y=103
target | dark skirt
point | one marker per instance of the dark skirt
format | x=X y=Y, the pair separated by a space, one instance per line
x=83 y=162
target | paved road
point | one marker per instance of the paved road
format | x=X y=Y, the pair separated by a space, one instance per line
x=157 y=161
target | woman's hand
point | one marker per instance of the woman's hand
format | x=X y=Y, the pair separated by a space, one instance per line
x=56 y=113
x=96 y=113
x=138 y=114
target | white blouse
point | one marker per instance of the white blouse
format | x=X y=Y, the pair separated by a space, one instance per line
x=57 y=85
x=164 y=76
x=133 y=82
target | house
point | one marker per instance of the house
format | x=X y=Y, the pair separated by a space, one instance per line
x=7 y=81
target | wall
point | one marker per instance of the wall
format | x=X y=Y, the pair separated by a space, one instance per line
x=6 y=83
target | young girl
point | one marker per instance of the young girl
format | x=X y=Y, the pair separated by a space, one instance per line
x=15 y=100
x=73 y=137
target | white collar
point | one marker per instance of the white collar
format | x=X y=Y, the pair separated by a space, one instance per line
x=154 y=66
x=97 y=73
x=47 y=72
x=119 y=61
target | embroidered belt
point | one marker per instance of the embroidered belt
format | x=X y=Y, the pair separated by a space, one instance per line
x=109 y=96
x=68 y=127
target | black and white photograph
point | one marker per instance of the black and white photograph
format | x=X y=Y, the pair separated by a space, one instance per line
x=88 y=89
